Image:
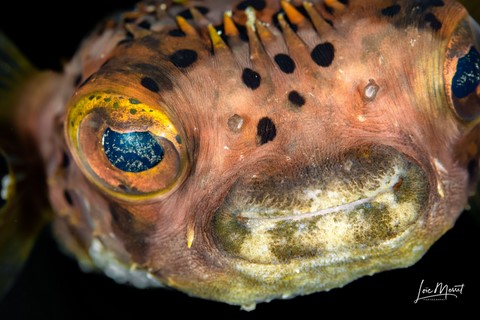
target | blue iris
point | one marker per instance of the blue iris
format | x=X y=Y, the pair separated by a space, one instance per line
x=467 y=77
x=133 y=151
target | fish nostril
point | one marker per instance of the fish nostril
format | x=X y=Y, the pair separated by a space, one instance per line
x=235 y=123
x=371 y=90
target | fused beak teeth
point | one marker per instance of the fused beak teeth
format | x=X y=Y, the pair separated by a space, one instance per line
x=361 y=201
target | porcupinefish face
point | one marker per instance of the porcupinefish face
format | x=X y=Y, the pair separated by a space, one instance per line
x=269 y=151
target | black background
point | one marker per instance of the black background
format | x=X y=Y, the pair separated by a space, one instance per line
x=51 y=285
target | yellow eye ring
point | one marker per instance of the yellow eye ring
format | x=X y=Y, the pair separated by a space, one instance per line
x=127 y=148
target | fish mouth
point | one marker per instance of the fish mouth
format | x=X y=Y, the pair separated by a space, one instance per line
x=359 y=204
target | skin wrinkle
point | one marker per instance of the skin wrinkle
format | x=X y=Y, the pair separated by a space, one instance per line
x=198 y=235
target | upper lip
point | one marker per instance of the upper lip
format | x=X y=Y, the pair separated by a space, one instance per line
x=395 y=180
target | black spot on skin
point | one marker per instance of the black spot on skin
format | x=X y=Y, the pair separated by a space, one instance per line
x=68 y=197
x=258 y=5
x=183 y=58
x=133 y=232
x=433 y=21
x=153 y=72
x=251 y=78
x=177 y=33
x=187 y=14
x=145 y=25
x=266 y=131
x=150 y=84
x=86 y=81
x=285 y=63
x=391 y=11
x=296 y=98
x=416 y=15
x=202 y=10
x=323 y=54
x=345 y=2
x=425 y=4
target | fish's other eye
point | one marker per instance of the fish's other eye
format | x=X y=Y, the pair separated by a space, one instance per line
x=127 y=148
x=462 y=71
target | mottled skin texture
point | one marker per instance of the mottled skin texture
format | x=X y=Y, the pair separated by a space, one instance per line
x=269 y=193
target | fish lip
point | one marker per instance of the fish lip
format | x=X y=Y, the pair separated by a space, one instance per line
x=383 y=217
x=345 y=207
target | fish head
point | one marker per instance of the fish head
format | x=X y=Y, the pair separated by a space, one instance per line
x=287 y=154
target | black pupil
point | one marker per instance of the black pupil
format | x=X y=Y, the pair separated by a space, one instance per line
x=133 y=151
x=4 y=173
x=467 y=77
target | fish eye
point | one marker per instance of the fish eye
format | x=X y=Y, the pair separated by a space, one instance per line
x=467 y=75
x=127 y=148
x=462 y=71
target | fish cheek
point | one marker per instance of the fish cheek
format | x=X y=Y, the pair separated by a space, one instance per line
x=132 y=231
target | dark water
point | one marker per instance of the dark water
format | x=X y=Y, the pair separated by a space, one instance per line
x=52 y=287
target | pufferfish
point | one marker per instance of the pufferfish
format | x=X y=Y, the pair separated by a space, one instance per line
x=244 y=151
